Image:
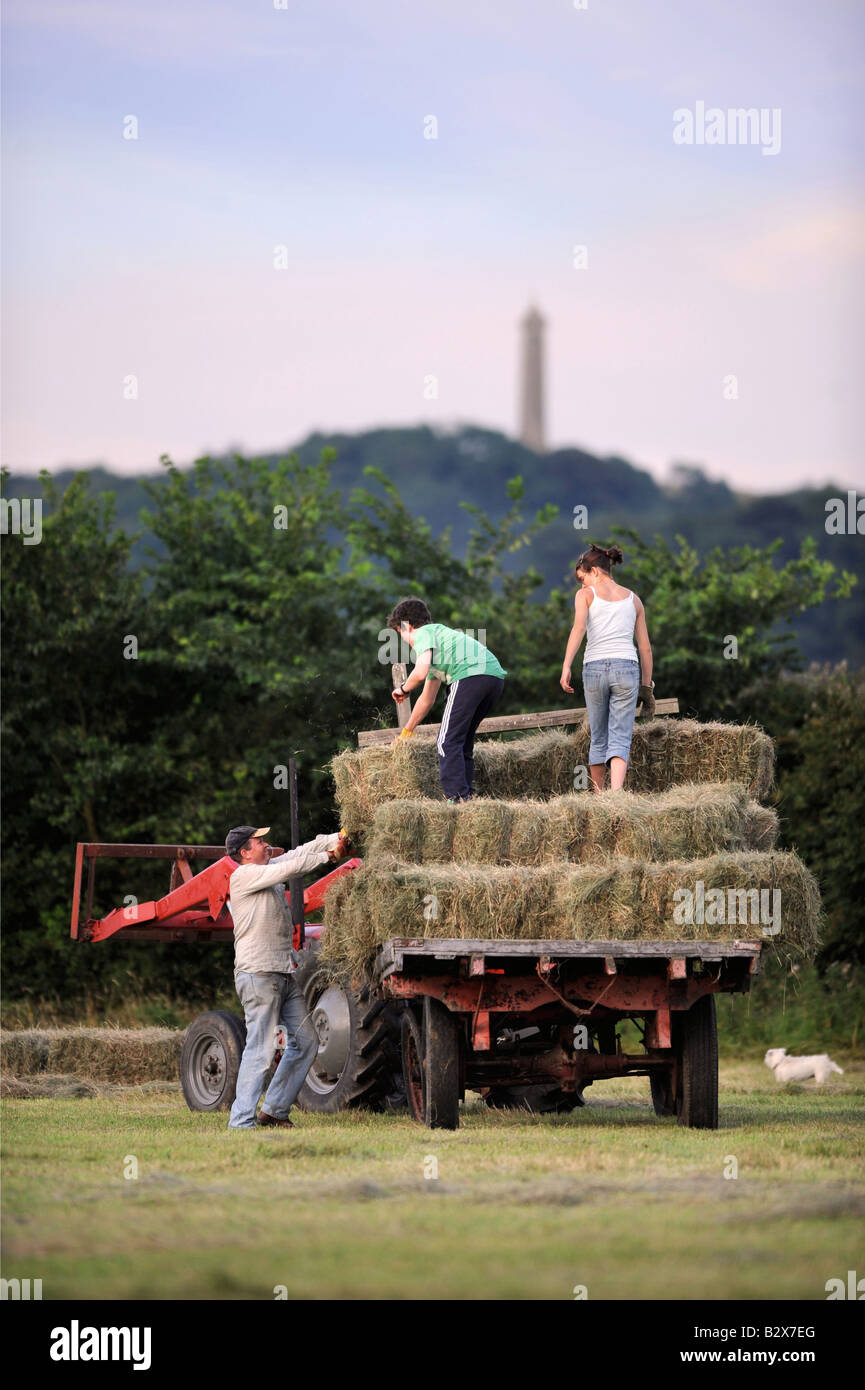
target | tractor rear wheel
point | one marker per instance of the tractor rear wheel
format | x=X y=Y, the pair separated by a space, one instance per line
x=210 y=1059
x=358 y=1061
x=698 y=1066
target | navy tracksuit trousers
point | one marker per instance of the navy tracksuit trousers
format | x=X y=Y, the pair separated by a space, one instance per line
x=470 y=700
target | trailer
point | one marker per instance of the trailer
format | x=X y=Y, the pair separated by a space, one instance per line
x=523 y=1023
x=533 y=1023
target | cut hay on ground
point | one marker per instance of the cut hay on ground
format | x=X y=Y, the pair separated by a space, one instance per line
x=47 y=1086
x=121 y=1055
x=621 y=899
x=686 y=822
x=537 y=767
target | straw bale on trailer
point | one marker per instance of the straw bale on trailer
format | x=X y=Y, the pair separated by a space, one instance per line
x=538 y=767
x=617 y=899
x=667 y=752
x=685 y=822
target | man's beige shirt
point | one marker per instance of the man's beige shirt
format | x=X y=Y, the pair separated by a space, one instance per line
x=262 y=921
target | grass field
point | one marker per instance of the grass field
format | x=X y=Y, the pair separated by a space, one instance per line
x=610 y=1197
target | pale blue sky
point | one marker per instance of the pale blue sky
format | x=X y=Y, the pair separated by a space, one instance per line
x=410 y=257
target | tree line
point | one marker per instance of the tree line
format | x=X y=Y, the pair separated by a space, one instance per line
x=159 y=702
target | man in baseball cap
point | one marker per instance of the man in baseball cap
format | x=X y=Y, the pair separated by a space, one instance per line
x=264 y=963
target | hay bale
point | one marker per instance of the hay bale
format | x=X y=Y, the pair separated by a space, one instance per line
x=369 y=777
x=533 y=765
x=685 y=822
x=621 y=898
x=387 y=898
x=762 y=829
x=538 y=767
x=122 y=1055
x=668 y=752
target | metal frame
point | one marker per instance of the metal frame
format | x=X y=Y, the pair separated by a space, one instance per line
x=195 y=907
x=563 y=982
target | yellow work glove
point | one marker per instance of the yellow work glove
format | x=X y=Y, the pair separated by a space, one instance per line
x=405 y=733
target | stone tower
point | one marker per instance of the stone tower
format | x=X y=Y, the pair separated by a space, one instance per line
x=532 y=381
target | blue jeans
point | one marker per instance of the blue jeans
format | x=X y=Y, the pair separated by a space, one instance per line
x=611 y=688
x=269 y=999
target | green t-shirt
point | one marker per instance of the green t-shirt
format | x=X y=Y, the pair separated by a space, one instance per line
x=454 y=654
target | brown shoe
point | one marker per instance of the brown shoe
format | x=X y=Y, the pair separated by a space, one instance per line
x=265 y=1119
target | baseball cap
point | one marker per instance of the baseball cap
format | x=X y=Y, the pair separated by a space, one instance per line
x=240 y=834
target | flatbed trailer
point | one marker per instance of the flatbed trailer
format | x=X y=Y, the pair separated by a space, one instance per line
x=524 y=1023
x=535 y=1022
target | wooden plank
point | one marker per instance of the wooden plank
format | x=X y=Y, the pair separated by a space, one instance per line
x=499 y=724
x=403 y=709
x=450 y=948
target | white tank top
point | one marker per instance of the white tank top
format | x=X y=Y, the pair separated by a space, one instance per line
x=610 y=629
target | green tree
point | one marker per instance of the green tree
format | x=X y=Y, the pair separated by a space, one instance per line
x=76 y=710
x=720 y=624
x=817 y=719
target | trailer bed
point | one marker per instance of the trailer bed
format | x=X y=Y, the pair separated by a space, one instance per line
x=399 y=953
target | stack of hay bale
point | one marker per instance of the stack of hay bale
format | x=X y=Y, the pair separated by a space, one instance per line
x=531 y=858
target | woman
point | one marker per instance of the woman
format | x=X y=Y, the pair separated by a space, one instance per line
x=612 y=617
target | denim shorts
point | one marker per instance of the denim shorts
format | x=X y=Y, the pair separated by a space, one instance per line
x=611 y=688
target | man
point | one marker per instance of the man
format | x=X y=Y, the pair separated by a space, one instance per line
x=476 y=680
x=264 y=959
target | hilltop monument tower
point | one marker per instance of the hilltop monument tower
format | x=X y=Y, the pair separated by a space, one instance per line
x=532 y=381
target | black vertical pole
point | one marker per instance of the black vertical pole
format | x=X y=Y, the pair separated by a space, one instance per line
x=296 y=884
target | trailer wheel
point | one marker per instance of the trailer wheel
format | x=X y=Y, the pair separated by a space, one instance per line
x=210 y=1060
x=358 y=1062
x=412 y=1064
x=698 y=1062
x=441 y=1065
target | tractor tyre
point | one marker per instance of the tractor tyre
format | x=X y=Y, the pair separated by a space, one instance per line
x=210 y=1059
x=358 y=1061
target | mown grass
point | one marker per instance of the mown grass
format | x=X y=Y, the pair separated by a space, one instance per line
x=609 y=1197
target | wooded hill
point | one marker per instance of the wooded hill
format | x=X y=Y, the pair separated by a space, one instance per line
x=436 y=471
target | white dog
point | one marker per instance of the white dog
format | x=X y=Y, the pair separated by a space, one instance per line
x=800 y=1068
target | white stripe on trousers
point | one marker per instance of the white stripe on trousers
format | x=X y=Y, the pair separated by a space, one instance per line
x=440 y=741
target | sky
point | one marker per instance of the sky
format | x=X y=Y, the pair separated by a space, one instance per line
x=283 y=248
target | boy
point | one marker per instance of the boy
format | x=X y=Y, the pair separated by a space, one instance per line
x=475 y=679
